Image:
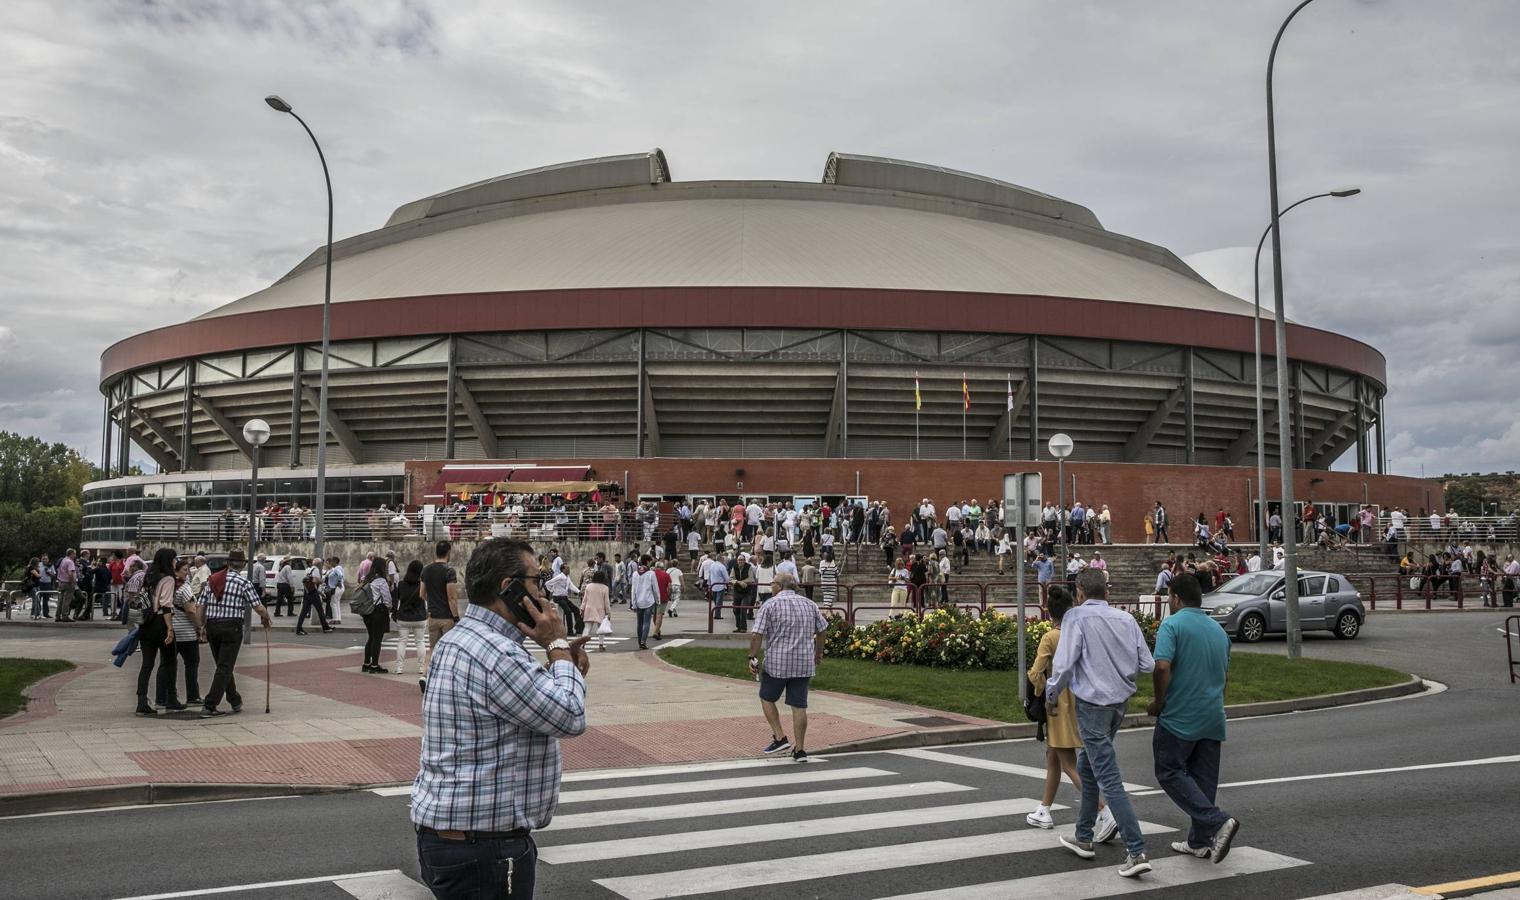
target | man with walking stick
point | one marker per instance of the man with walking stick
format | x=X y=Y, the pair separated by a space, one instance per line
x=228 y=595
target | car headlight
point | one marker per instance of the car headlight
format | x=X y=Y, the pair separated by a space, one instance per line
x=1223 y=610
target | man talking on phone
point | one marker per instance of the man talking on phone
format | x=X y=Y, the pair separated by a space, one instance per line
x=489 y=774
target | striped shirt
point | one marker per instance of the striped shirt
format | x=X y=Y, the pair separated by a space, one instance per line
x=184 y=623
x=490 y=722
x=789 y=621
x=237 y=597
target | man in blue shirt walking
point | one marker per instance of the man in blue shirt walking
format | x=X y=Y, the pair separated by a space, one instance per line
x=1192 y=662
x=1102 y=651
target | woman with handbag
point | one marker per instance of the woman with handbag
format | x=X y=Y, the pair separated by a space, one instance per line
x=153 y=606
x=596 y=610
x=1062 y=740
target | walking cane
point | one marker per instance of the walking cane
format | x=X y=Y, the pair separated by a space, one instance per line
x=266 y=670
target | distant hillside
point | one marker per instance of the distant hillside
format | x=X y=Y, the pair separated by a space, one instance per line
x=1472 y=495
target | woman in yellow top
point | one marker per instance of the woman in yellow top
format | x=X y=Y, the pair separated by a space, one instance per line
x=1061 y=738
x=1150 y=528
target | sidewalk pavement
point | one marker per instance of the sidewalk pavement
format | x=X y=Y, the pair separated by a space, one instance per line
x=334 y=725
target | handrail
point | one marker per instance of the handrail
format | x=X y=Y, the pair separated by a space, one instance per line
x=1511 y=636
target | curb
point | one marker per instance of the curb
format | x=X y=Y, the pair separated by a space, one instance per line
x=116 y=795
x=102 y=624
x=932 y=737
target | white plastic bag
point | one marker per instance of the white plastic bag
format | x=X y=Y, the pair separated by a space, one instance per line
x=605 y=627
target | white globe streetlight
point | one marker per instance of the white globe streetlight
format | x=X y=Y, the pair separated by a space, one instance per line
x=256 y=433
x=1060 y=447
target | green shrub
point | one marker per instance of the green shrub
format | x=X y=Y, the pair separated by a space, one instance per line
x=946 y=638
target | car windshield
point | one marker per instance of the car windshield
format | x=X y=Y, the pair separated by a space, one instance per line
x=1252 y=583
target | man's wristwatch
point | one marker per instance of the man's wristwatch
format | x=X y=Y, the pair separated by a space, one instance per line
x=559 y=644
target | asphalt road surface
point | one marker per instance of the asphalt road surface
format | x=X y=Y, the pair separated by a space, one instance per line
x=1418 y=791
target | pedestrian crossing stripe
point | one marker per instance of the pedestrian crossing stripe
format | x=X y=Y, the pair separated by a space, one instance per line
x=750 y=804
x=1086 y=884
x=757 y=873
x=805 y=776
x=749 y=835
x=992 y=765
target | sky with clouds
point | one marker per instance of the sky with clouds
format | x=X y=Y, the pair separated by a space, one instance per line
x=143 y=181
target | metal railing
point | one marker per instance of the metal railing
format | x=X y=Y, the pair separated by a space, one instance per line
x=1499 y=529
x=1511 y=636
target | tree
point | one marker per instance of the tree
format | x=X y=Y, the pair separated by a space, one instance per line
x=34 y=473
x=26 y=533
x=1465 y=496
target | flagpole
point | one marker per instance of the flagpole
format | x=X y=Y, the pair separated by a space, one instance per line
x=1010 y=417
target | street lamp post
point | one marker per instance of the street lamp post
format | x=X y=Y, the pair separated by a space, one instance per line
x=256 y=433
x=279 y=105
x=1261 y=435
x=1284 y=437
x=1060 y=447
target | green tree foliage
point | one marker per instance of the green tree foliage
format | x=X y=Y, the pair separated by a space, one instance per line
x=34 y=473
x=1465 y=496
x=40 y=490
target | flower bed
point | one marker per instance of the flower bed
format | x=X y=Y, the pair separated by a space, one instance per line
x=946 y=638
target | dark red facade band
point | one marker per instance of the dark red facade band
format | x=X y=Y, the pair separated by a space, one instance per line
x=735 y=307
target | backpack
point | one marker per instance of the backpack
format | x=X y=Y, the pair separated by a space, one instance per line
x=363 y=602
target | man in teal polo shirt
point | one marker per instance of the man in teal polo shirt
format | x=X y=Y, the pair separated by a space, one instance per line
x=1192 y=661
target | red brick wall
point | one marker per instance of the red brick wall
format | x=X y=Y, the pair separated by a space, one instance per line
x=1128 y=489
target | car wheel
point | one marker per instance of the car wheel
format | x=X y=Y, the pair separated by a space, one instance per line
x=1252 y=627
x=1347 y=625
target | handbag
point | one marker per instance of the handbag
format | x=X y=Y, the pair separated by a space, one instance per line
x=605 y=627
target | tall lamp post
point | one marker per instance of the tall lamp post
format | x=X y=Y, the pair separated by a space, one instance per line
x=1060 y=447
x=1285 y=444
x=1261 y=431
x=278 y=105
x=256 y=433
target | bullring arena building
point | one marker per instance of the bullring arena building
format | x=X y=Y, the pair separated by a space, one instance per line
x=894 y=331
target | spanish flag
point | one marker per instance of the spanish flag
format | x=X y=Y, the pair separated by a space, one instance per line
x=918 y=399
x=965 y=393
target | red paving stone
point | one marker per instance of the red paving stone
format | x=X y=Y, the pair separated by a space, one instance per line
x=391 y=695
x=42 y=697
x=373 y=761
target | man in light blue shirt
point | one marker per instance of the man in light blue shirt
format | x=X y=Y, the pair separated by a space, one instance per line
x=1102 y=651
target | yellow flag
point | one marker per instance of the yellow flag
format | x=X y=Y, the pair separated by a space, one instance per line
x=918 y=399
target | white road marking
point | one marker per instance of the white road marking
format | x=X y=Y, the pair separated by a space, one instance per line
x=400 y=790
x=751 y=804
x=111 y=809
x=758 y=873
x=1456 y=764
x=261 y=886
x=1104 y=881
x=991 y=765
x=393 y=885
x=678 y=642
x=799 y=775
x=749 y=835
x=684 y=768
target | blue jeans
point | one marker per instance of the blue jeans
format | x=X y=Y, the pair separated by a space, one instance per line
x=1189 y=773
x=1098 y=767
x=488 y=869
x=717 y=603
x=644 y=618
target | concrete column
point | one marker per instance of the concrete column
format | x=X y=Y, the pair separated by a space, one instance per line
x=449 y=403
x=123 y=452
x=1034 y=398
x=844 y=392
x=297 y=408
x=1382 y=441
x=105 y=437
x=1363 y=462
x=1300 y=439
x=1190 y=436
x=187 y=413
x=638 y=439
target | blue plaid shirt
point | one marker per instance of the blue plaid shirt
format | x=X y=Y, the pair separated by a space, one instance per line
x=490 y=720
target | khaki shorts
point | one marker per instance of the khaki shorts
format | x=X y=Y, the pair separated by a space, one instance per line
x=437 y=628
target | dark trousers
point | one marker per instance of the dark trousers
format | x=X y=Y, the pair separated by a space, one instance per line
x=1189 y=773
x=488 y=868
x=153 y=651
x=1161 y=537
x=644 y=618
x=284 y=596
x=225 y=639
x=311 y=602
x=574 y=622
x=188 y=652
x=377 y=623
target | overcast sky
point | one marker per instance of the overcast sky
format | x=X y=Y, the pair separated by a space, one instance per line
x=143 y=181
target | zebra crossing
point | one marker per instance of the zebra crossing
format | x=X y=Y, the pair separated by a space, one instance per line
x=887 y=825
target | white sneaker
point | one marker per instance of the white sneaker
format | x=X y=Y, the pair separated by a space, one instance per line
x=1040 y=818
x=1135 y=866
x=1105 y=827
x=1182 y=847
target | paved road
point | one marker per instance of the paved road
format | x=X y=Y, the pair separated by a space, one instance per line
x=904 y=823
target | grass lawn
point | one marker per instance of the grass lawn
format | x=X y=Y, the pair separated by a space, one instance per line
x=16 y=674
x=1254 y=677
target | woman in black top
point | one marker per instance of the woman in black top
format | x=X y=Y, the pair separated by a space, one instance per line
x=411 y=616
x=154 y=635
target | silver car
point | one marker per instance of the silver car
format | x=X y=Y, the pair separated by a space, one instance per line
x=1251 y=606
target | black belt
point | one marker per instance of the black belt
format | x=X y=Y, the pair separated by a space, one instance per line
x=474 y=836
